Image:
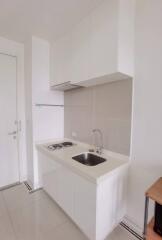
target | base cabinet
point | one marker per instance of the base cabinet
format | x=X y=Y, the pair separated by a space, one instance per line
x=66 y=180
x=96 y=209
x=48 y=175
x=57 y=181
x=85 y=206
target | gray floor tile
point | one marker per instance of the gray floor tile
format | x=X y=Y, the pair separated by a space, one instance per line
x=39 y=217
x=120 y=234
x=19 y=197
x=69 y=231
x=25 y=216
x=6 y=229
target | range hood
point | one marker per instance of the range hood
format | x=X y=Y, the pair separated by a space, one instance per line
x=64 y=86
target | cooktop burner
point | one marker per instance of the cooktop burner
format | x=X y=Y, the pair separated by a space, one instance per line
x=58 y=146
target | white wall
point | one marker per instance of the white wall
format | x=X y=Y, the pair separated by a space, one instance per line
x=146 y=165
x=17 y=49
x=48 y=122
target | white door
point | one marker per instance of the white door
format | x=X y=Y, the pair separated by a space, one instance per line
x=9 y=165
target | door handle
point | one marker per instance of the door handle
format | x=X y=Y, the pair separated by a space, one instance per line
x=12 y=133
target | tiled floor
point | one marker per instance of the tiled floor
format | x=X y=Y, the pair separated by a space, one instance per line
x=25 y=216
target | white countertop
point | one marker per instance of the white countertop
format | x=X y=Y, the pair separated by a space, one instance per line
x=93 y=173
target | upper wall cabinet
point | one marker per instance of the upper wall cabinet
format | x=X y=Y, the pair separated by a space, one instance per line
x=61 y=61
x=81 y=51
x=104 y=39
x=99 y=49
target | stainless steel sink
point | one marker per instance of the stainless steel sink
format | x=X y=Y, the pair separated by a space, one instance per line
x=89 y=159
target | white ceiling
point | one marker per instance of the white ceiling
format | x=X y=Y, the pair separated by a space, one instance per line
x=48 y=19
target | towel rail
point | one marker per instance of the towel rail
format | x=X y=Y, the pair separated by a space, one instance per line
x=48 y=105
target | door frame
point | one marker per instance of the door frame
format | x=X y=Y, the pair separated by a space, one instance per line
x=14 y=49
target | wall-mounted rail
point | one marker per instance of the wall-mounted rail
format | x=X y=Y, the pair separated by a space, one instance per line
x=48 y=105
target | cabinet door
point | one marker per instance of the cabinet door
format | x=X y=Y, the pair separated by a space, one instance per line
x=58 y=182
x=104 y=39
x=48 y=175
x=61 y=61
x=66 y=181
x=81 y=49
x=85 y=206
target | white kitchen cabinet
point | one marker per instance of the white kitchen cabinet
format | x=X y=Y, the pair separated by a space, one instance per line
x=99 y=49
x=111 y=202
x=61 y=61
x=104 y=39
x=109 y=41
x=85 y=206
x=57 y=181
x=48 y=175
x=95 y=208
x=81 y=51
x=66 y=180
x=95 y=44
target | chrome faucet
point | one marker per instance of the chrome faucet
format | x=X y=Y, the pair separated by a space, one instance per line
x=99 y=147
